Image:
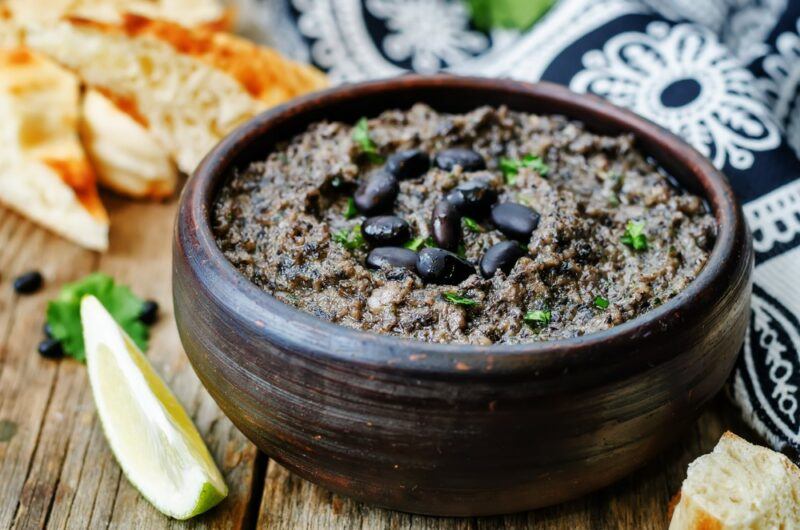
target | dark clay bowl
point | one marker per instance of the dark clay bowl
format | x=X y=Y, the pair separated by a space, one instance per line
x=452 y=429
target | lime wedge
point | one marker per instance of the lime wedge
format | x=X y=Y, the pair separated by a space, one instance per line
x=152 y=437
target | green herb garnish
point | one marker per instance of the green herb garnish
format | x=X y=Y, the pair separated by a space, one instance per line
x=350 y=210
x=600 y=302
x=368 y=147
x=458 y=299
x=471 y=225
x=514 y=14
x=64 y=313
x=461 y=251
x=419 y=243
x=538 y=317
x=351 y=239
x=634 y=235
x=510 y=167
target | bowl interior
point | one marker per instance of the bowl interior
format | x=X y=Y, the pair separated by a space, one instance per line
x=255 y=139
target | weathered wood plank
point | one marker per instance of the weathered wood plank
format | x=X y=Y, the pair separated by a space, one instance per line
x=61 y=421
x=639 y=502
x=89 y=478
x=27 y=382
x=140 y=256
x=56 y=469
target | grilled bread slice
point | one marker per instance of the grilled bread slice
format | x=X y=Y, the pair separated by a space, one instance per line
x=191 y=87
x=206 y=13
x=739 y=486
x=44 y=172
x=125 y=156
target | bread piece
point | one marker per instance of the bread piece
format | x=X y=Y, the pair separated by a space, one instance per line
x=44 y=172
x=190 y=13
x=125 y=155
x=739 y=486
x=190 y=87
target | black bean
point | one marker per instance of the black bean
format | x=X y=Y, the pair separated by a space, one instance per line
x=436 y=265
x=446 y=225
x=392 y=257
x=468 y=159
x=409 y=164
x=516 y=221
x=51 y=349
x=28 y=283
x=47 y=330
x=386 y=230
x=377 y=193
x=501 y=256
x=149 y=312
x=473 y=198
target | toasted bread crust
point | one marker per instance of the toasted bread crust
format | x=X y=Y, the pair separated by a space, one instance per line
x=124 y=103
x=209 y=14
x=44 y=172
x=126 y=156
x=74 y=172
x=78 y=175
x=264 y=73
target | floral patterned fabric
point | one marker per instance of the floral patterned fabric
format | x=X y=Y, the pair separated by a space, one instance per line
x=722 y=74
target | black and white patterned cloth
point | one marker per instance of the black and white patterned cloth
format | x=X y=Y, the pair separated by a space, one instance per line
x=722 y=74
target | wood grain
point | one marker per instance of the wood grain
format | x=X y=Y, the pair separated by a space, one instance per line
x=638 y=502
x=56 y=470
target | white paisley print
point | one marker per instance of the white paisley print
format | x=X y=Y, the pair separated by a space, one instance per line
x=682 y=78
x=432 y=33
x=783 y=85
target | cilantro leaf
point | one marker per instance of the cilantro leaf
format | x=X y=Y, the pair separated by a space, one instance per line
x=471 y=225
x=350 y=210
x=64 y=317
x=536 y=163
x=538 y=317
x=350 y=239
x=634 y=235
x=510 y=167
x=362 y=138
x=516 y=14
x=459 y=299
x=600 y=302
x=419 y=243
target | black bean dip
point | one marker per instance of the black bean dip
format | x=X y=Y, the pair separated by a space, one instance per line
x=492 y=226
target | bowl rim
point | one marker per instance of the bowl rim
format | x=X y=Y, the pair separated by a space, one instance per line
x=326 y=341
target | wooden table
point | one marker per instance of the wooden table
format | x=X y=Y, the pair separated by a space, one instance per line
x=56 y=470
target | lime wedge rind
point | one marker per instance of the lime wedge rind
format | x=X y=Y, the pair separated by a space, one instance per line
x=151 y=435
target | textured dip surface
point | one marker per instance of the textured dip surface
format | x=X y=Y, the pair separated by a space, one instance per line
x=277 y=221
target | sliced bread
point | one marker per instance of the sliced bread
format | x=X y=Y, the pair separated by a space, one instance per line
x=44 y=171
x=191 y=87
x=190 y=13
x=124 y=153
x=739 y=486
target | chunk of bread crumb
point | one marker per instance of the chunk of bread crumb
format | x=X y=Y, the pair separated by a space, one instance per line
x=44 y=172
x=739 y=486
x=125 y=155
